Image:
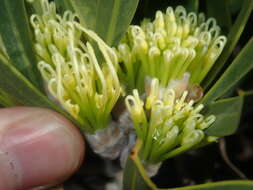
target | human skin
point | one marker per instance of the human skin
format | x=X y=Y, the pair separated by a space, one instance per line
x=38 y=148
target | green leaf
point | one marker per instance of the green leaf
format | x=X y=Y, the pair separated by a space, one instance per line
x=3 y=54
x=223 y=185
x=228 y=113
x=2 y=47
x=6 y=100
x=132 y=178
x=233 y=38
x=238 y=69
x=14 y=83
x=108 y=18
x=16 y=36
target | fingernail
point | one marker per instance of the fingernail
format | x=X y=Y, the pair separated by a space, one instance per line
x=38 y=149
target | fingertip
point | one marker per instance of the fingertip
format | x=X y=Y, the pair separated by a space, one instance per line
x=39 y=147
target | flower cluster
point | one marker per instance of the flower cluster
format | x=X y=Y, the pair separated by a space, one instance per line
x=167 y=125
x=84 y=84
x=81 y=73
x=173 y=44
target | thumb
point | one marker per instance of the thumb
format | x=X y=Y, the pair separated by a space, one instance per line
x=38 y=147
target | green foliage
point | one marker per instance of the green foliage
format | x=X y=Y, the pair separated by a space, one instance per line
x=233 y=37
x=108 y=18
x=236 y=71
x=16 y=36
x=228 y=113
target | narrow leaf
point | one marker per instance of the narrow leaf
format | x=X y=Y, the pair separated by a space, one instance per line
x=2 y=47
x=13 y=82
x=239 y=68
x=6 y=100
x=223 y=185
x=3 y=54
x=233 y=38
x=15 y=32
x=108 y=18
x=227 y=112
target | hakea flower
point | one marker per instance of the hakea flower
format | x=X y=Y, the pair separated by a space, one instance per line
x=167 y=125
x=173 y=44
x=85 y=86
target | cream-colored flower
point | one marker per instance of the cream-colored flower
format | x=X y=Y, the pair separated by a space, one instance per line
x=84 y=84
x=167 y=125
x=172 y=44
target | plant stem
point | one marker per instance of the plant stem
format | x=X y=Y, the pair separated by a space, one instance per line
x=134 y=156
